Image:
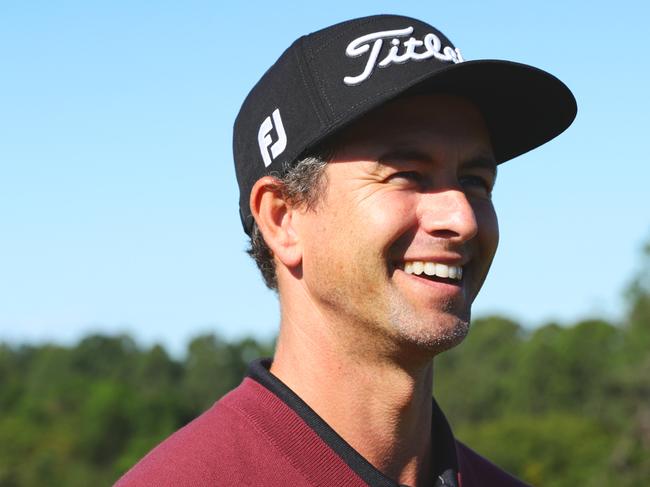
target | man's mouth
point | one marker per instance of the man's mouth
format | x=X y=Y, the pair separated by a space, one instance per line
x=429 y=269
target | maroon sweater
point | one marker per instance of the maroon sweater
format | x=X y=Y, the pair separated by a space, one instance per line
x=263 y=434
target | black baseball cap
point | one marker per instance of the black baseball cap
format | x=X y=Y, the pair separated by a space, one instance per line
x=332 y=77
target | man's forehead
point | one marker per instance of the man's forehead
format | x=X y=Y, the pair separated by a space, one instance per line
x=407 y=117
x=419 y=128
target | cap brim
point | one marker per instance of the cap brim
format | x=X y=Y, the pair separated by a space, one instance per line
x=523 y=106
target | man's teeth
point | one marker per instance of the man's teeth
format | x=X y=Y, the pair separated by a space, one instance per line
x=434 y=269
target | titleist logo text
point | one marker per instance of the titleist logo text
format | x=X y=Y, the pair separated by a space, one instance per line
x=431 y=43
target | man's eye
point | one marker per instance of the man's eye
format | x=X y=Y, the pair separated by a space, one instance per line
x=407 y=176
x=476 y=185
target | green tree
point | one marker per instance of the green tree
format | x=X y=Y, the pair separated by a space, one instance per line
x=473 y=381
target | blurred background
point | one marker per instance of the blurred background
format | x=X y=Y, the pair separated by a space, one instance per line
x=128 y=304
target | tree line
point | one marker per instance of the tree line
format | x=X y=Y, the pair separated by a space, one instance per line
x=557 y=406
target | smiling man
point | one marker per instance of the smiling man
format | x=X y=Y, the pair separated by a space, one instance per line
x=366 y=157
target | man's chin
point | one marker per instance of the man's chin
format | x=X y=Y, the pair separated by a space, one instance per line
x=433 y=339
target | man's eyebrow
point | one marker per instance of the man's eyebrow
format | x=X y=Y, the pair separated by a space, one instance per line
x=414 y=155
x=481 y=161
x=406 y=154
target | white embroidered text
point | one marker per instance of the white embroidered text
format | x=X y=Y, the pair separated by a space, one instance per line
x=431 y=43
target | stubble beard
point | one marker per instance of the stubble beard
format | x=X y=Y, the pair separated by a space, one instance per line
x=433 y=334
x=391 y=317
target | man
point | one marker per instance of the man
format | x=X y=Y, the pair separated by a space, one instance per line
x=366 y=158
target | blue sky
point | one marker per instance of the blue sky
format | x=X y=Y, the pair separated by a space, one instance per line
x=118 y=202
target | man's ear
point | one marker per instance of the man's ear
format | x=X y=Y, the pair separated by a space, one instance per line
x=274 y=218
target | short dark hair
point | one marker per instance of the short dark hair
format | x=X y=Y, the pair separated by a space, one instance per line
x=303 y=184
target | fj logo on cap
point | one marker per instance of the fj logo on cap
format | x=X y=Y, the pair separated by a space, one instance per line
x=264 y=138
x=431 y=43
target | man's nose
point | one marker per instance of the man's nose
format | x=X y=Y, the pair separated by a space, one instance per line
x=448 y=214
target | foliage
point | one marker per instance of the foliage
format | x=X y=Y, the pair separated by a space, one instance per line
x=83 y=415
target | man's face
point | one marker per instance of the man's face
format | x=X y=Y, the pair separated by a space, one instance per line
x=409 y=186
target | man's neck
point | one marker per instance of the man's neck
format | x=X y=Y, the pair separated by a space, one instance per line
x=381 y=408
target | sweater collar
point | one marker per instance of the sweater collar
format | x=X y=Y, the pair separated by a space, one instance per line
x=443 y=446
